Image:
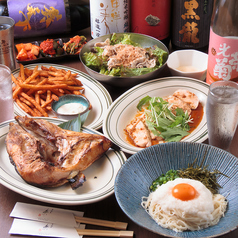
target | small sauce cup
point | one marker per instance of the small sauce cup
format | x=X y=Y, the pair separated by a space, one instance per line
x=188 y=63
x=70 y=106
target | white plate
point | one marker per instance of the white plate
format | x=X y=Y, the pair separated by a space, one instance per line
x=123 y=109
x=96 y=93
x=100 y=176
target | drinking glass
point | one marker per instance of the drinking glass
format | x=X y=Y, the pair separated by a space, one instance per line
x=222 y=113
x=7 y=52
x=6 y=101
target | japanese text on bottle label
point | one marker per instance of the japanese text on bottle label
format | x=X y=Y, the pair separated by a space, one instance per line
x=223 y=58
x=191 y=23
x=37 y=17
x=109 y=17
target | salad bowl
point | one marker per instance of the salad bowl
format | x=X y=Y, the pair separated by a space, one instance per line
x=144 y=41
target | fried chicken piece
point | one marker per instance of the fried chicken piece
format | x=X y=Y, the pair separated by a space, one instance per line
x=188 y=97
x=139 y=133
x=178 y=103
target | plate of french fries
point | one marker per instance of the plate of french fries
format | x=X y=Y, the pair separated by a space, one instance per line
x=35 y=86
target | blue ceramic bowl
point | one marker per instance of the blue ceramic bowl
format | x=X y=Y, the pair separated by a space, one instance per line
x=138 y=172
x=70 y=98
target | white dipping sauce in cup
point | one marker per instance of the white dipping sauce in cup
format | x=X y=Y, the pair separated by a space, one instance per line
x=71 y=108
x=187 y=68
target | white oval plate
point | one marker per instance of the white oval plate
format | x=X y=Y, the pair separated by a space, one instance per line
x=100 y=176
x=123 y=109
x=96 y=93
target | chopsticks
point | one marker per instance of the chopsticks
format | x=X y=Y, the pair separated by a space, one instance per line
x=98 y=222
x=105 y=233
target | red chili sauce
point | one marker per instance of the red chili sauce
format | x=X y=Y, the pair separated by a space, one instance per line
x=47 y=47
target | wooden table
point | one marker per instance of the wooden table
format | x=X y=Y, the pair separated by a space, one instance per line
x=107 y=209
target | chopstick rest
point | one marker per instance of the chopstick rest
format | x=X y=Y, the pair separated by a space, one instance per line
x=98 y=222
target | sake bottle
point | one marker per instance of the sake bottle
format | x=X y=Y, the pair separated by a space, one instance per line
x=151 y=18
x=107 y=17
x=223 y=42
x=46 y=17
x=191 y=24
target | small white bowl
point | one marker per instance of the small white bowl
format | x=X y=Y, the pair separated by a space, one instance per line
x=188 y=63
x=70 y=98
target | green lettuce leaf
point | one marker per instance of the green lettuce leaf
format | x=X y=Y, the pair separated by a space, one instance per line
x=142 y=102
x=160 y=54
x=162 y=121
x=93 y=61
x=130 y=72
x=127 y=41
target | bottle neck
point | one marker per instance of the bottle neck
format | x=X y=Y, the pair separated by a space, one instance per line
x=3 y=8
x=225 y=17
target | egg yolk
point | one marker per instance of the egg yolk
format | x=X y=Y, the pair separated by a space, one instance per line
x=184 y=191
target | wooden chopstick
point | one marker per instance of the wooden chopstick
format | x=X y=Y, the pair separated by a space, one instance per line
x=98 y=222
x=105 y=233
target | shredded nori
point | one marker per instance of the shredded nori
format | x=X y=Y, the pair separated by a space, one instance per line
x=193 y=171
x=202 y=174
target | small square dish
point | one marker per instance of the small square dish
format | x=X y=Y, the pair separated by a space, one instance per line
x=27 y=51
x=49 y=50
x=52 y=48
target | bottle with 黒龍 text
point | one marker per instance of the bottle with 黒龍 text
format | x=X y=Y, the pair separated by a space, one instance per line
x=191 y=24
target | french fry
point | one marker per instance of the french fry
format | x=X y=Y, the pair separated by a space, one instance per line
x=74 y=88
x=56 y=92
x=38 y=114
x=35 y=89
x=42 y=87
x=44 y=73
x=43 y=105
x=48 y=96
x=19 y=88
x=25 y=101
x=51 y=68
x=76 y=81
x=56 y=74
x=56 y=98
x=44 y=68
x=40 y=83
x=48 y=108
x=14 y=80
x=56 y=78
x=22 y=73
x=77 y=92
x=37 y=98
x=38 y=107
x=35 y=69
x=67 y=75
x=24 y=107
